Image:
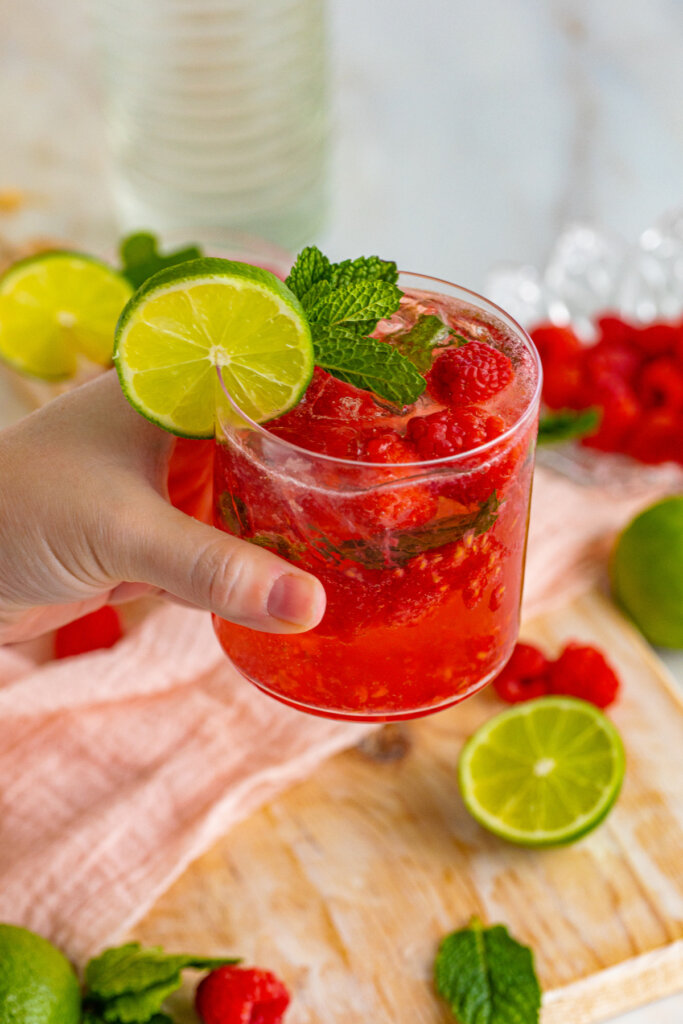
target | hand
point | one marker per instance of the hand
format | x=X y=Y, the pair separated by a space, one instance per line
x=85 y=521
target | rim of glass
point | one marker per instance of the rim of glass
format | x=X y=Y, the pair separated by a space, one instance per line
x=445 y=459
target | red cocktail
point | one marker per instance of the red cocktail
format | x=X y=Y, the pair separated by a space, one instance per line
x=415 y=520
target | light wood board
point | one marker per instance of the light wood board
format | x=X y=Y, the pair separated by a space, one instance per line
x=345 y=884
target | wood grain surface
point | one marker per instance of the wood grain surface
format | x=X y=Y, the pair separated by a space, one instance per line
x=345 y=884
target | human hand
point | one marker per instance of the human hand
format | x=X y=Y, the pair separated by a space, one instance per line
x=85 y=521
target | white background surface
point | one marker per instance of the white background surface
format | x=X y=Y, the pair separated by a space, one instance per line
x=465 y=134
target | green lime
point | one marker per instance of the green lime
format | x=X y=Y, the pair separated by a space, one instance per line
x=543 y=773
x=56 y=309
x=189 y=319
x=647 y=572
x=37 y=983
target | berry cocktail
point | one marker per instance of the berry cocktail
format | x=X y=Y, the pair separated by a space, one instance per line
x=413 y=517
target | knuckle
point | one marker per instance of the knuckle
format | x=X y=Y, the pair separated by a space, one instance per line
x=218 y=575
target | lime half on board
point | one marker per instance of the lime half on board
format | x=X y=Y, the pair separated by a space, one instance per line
x=56 y=309
x=544 y=773
x=189 y=319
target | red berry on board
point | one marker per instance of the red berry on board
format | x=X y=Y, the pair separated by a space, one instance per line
x=657 y=339
x=98 y=630
x=657 y=437
x=660 y=384
x=475 y=372
x=524 y=676
x=241 y=995
x=583 y=671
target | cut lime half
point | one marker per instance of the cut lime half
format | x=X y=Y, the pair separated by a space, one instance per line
x=544 y=773
x=58 y=309
x=192 y=318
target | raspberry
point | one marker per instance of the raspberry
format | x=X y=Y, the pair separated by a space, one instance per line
x=661 y=384
x=524 y=676
x=657 y=437
x=391 y=508
x=614 y=330
x=583 y=671
x=657 y=339
x=241 y=995
x=472 y=373
x=450 y=431
x=620 y=414
x=389 y=447
x=561 y=352
x=98 y=630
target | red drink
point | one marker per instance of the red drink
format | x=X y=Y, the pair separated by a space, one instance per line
x=415 y=520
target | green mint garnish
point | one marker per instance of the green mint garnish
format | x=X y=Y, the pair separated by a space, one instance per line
x=487 y=977
x=128 y=984
x=427 y=333
x=567 y=425
x=343 y=303
x=140 y=257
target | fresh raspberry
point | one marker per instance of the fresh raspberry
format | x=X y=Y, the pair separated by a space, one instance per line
x=472 y=373
x=607 y=362
x=620 y=415
x=451 y=431
x=561 y=354
x=241 y=995
x=583 y=671
x=657 y=437
x=614 y=331
x=657 y=339
x=389 y=447
x=98 y=630
x=343 y=402
x=513 y=690
x=525 y=675
x=661 y=383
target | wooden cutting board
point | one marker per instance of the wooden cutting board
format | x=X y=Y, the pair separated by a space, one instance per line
x=346 y=883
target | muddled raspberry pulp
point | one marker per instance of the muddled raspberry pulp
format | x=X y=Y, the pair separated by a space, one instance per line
x=422 y=565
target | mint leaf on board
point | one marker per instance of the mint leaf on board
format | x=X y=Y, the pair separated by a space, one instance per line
x=487 y=977
x=427 y=333
x=140 y=257
x=368 y=364
x=567 y=425
x=128 y=984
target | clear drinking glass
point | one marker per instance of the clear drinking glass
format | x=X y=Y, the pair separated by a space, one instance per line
x=422 y=562
x=217 y=113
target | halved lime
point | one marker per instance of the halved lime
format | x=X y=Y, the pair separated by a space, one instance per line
x=56 y=309
x=187 y=320
x=544 y=773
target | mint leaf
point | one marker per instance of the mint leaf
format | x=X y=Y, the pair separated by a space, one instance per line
x=365 y=268
x=128 y=984
x=487 y=977
x=567 y=424
x=427 y=333
x=368 y=364
x=362 y=302
x=309 y=268
x=140 y=257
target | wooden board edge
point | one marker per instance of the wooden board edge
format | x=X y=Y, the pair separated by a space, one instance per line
x=618 y=989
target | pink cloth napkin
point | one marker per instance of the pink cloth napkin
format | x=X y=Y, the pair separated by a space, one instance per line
x=120 y=767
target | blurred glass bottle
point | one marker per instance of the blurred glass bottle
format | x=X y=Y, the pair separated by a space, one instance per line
x=217 y=113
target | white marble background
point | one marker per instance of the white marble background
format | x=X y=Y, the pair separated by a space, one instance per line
x=465 y=134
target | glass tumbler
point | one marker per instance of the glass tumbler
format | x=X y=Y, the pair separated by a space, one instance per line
x=217 y=113
x=418 y=617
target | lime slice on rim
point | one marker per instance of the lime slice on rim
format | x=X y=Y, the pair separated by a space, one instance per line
x=544 y=773
x=56 y=309
x=189 y=319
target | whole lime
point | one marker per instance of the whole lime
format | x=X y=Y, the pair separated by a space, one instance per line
x=647 y=572
x=37 y=982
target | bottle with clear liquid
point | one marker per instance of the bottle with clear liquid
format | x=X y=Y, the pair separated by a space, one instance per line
x=217 y=114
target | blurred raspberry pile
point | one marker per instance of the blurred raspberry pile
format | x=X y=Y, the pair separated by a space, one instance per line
x=632 y=373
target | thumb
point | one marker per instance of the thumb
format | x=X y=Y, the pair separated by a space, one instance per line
x=210 y=569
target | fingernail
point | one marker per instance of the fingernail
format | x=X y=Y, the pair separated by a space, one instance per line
x=294 y=599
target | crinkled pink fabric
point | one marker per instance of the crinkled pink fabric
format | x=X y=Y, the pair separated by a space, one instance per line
x=120 y=767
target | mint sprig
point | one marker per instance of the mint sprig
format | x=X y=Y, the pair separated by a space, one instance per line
x=427 y=333
x=128 y=984
x=568 y=425
x=487 y=977
x=343 y=303
x=140 y=257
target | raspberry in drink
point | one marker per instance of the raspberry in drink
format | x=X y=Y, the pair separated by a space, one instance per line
x=414 y=518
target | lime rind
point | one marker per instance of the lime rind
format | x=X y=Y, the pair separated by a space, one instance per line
x=190 y=320
x=500 y=787
x=57 y=309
